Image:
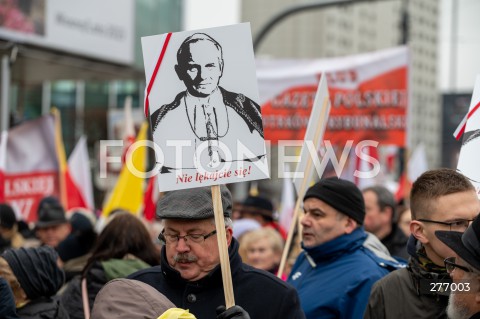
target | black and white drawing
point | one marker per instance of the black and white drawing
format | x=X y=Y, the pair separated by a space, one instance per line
x=205 y=126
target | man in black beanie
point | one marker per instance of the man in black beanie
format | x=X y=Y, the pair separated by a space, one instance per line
x=39 y=278
x=335 y=272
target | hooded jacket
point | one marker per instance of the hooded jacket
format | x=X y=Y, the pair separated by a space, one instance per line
x=334 y=279
x=129 y=299
x=97 y=276
x=260 y=293
x=405 y=293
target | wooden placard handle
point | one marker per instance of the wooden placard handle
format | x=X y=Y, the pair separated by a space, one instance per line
x=222 y=246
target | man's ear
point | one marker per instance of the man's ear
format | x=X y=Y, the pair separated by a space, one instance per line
x=417 y=230
x=350 y=225
x=229 y=233
x=179 y=72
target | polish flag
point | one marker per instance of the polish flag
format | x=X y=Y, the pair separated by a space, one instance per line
x=150 y=200
x=29 y=165
x=79 y=178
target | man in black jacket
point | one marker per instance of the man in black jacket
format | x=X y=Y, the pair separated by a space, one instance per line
x=190 y=274
x=380 y=220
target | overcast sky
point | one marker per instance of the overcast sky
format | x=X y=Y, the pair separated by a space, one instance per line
x=466 y=41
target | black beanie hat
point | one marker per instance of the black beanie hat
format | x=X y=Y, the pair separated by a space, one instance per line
x=36 y=270
x=342 y=195
x=7 y=216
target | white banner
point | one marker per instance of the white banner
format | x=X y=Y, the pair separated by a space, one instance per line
x=101 y=29
x=468 y=159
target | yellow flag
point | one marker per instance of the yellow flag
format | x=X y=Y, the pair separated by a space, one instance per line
x=128 y=192
x=177 y=313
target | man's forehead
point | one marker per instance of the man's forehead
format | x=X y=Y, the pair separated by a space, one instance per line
x=186 y=224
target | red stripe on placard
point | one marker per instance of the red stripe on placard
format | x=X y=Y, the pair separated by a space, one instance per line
x=463 y=124
x=155 y=71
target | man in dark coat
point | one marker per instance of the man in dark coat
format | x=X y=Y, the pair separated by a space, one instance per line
x=380 y=220
x=441 y=199
x=190 y=274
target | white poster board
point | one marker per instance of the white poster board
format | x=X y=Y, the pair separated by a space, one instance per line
x=468 y=159
x=309 y=161
x=202 y=100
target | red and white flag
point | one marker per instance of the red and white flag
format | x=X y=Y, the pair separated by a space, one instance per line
x=29 y=165
x=287 y=205
x=150 y=199
x=79 y=179
x=469 y=153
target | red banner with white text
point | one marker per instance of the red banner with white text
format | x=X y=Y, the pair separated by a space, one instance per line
x=368 y=92
x=29 y=166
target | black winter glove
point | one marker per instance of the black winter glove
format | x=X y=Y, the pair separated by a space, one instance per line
x=235 y=312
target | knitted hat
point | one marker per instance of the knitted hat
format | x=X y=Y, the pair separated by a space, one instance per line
x=258 y=205
x=194 y=203
x=50 y=213
x=36 y=270
x=127 y=298
x=7 y=216
x=342 y=195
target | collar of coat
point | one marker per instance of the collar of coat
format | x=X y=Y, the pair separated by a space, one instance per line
x=336 y=247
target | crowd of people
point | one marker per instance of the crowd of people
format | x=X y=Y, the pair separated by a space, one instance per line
x=362 y=256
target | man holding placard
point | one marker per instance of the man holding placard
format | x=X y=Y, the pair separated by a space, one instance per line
x=189 y=274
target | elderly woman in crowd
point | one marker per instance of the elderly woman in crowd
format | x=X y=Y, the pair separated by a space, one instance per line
x=262 y=249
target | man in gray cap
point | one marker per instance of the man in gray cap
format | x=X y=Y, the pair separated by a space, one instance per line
x=189 y=274
x=464 y=300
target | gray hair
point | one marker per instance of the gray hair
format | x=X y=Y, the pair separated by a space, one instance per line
x=384 y=197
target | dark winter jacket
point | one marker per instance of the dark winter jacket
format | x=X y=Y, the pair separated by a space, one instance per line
x=260 y=293
x=43 y=308
x=98 y=275
x=7 y=301
x=396 y=243
x=405 y=293
x=334 y=279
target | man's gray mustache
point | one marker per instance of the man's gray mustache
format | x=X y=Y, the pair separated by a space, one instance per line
x=183 y=258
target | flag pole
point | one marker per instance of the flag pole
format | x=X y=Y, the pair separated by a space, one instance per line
x=61 y=157
x=222 y=246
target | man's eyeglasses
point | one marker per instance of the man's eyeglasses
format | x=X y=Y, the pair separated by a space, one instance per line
x=456 y=225
x=194 y=238
x=450 y=265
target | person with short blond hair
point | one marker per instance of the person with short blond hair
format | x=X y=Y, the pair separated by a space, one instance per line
x=262 y=249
